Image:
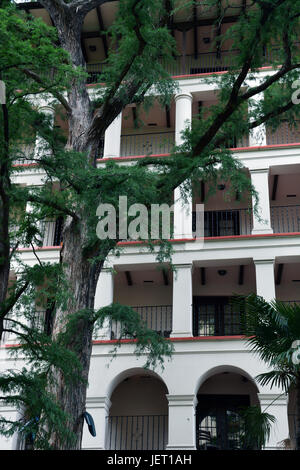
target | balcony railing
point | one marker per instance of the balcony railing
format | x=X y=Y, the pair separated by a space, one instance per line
x=206 y=62
x=226 y=222
x=284 y=134
x=144 y=144
x=285 y=219
x=157 y=318
x=217 y=318
x=137 y=432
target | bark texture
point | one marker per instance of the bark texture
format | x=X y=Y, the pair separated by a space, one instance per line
x=81 y=275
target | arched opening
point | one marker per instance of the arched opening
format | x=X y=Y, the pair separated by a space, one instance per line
x=138 y=418
x=222 y=399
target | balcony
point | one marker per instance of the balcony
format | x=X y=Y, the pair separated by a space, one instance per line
x=206 y=62
x=234 y=222
x=285 y=219
x=226 y=222
x=137 y=432
x=189 y=64
x=145 y=144
x=284 y=134
x=157 y=318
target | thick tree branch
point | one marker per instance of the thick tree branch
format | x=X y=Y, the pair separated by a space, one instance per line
x=57 y=95
x=51 y=203
x=12 y=300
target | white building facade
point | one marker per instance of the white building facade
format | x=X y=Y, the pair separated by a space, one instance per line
x=212 y=372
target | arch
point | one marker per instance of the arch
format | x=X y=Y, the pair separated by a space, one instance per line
x=138 y=415
x=125 y=374
x=221 y=369
x=223 y=392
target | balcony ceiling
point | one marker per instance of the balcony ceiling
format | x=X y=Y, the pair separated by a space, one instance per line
x=101 y=18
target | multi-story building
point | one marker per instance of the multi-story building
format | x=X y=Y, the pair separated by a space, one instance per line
x=196 y=398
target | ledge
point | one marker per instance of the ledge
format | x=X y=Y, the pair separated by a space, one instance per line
x=174 y=340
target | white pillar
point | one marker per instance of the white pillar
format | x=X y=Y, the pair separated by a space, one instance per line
x=260 y=181
x=276 y=405
x=98 y=408
x=265 y=279
x=112 y=138
x=104 y=296
x=182 y=422
x=182 y=317
x=41 y=147
x=182 y=210
x=183 y=114
x=258 y=135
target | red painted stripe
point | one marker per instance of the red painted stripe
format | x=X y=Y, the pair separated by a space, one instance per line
x=133 y=157
x=187 y=338
x=180 y=240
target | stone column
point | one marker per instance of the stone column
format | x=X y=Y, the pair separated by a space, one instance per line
x=112 y=139
x=104 y=296
x=41 y=147
x=182 y=210
x=258 y=135
x=182 y=422
x=182 y=317
x=98 y=407
x=260 y=181
x=265 y=278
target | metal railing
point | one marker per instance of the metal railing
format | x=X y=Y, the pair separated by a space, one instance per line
x=147 y=143
x=226 y=222
x=285 y=219
x=206 y=62
x=155 y=317
x=147 y=432
x=217 y=319
x=284 y=134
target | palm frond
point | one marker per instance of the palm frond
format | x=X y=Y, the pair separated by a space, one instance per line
x=278 y=378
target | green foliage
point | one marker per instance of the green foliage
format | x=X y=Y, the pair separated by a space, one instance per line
x=143 y=48
x=130 y=325
x=256 y=427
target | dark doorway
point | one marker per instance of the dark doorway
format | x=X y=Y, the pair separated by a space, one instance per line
x=219 y=424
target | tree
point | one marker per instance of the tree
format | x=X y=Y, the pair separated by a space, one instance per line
x=143 y=43
x=29 y=47
x=273 y=329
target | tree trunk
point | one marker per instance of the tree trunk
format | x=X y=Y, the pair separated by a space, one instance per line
x=297 y=417
x=82 y=277
x=4 y=215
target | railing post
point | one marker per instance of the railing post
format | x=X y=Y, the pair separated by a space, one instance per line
x=182 y=422
x=182 y=302
x=265 y=279
x=262 y=221
x=182 y=210
x=112 y=139
x=104 y=296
